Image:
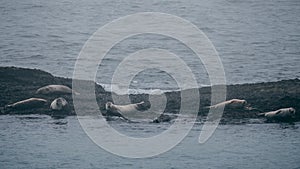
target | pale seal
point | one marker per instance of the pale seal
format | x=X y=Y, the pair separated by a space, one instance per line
x=58 y=104
x=28 y=104
x=118 y=110
x=284 y=114
x=55 y=89
x=232 y=104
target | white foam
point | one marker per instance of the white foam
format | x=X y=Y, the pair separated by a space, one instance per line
x=120 y=90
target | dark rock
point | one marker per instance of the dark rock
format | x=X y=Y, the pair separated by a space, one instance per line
x=164 y=118
x=20 y=83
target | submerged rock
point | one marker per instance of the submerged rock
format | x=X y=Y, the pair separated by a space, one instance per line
x=164 y=118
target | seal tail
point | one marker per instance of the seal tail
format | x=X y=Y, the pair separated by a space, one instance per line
x=212 y=107
x=261 y=114
x=142 y=102
x=208 y=107
x=76 y=93
x=142 y=106
x=253 y=109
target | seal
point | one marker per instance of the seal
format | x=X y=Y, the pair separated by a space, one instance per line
x=118 y=110
x=58 y=104
x=284 y=114
x=27 y=104
x=233 y=104
x=55 y=89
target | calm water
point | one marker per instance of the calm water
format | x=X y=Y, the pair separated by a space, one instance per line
x=258 y=41
x=43 y=142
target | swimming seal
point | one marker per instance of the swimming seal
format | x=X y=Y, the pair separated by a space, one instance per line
x=58 y=104
x=27 y=104
x=55 y=89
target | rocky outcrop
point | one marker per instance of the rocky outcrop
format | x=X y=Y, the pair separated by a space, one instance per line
x=20 y=83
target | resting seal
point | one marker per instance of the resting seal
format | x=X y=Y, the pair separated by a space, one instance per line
x=58 y=104
x=28 y=104
x=232 y=104
x=118 y=110
x=285 y=114
x=55 y=89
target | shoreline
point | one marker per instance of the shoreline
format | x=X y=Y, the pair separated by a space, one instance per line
x=21 y=83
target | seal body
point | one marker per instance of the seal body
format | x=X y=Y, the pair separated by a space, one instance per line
x=124 y=108
x=284 y=114
x=232 y=104
x=58 y=104
x=55 y=89
x=118 y=110
x=28 y=104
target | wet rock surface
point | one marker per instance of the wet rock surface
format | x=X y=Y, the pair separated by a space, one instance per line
x=18 y=84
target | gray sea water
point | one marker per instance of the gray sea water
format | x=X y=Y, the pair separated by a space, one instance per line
x=257 y=41
x=43 y=142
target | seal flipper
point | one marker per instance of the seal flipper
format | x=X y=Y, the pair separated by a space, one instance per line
x=117 y=113
x=261 y=114
x=125 y=118
x=279 y=111
x=120 y=115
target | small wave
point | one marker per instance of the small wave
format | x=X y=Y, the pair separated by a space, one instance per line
x=32 y=117
x=37 y=6
x=38 y=56
x=122 y=90
x=29 y=35
x=54 y=36
x=32 y=6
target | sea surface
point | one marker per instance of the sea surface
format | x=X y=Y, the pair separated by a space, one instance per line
x=37 y=141
x=257 y=41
